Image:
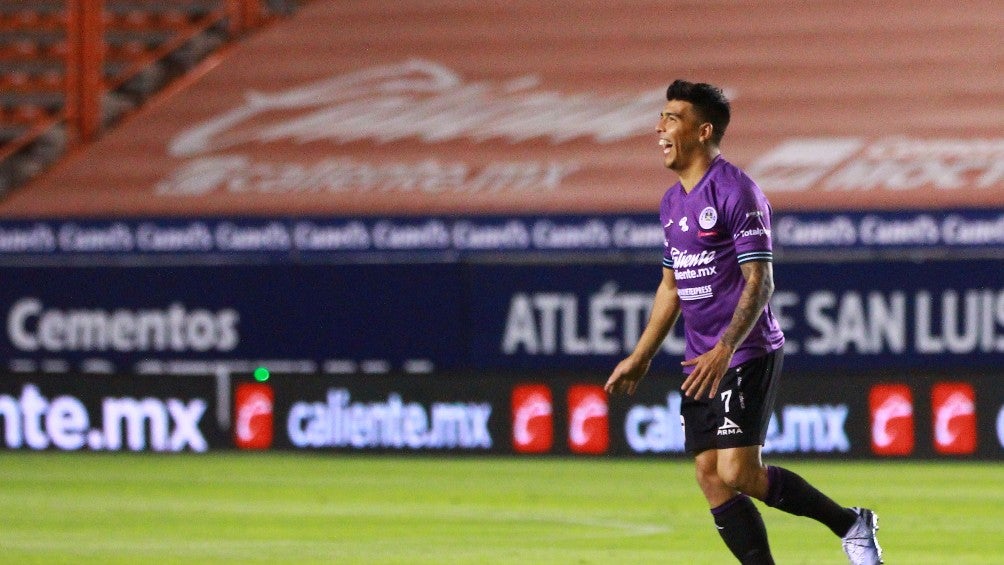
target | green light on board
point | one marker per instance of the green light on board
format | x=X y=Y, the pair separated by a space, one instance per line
x=261 y=374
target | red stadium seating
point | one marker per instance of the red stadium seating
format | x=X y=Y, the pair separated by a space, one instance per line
x=77 y=65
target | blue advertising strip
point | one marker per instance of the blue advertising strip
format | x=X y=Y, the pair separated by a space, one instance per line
x=426 y=318
x=187 y=319
x=953 y=229
x=836 y=317
x=453 y=238
x=291 y=238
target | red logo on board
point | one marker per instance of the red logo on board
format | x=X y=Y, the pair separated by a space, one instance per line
x=891 y=409
x=253 y=403
x=532 y=426
x=588 y=427
x=954 y=408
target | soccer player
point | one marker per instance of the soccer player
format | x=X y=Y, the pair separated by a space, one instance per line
x=717 y=273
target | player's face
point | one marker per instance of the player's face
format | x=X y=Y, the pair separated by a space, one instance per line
x=679 y=134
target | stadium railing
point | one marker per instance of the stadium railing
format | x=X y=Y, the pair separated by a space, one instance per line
x=70 y=69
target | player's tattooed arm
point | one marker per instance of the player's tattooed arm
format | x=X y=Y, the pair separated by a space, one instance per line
x=710 y=366
x=759 y=277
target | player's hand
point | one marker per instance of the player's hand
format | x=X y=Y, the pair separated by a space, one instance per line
x=709 y=368
x=626 y=376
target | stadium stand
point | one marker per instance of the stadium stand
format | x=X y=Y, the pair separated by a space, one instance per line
x=33 y=52
x=70 y=69
x=444 y=107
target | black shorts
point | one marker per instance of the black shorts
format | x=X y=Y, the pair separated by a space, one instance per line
x=738 y=414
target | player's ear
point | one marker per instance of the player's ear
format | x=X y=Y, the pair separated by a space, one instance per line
x=706 y=132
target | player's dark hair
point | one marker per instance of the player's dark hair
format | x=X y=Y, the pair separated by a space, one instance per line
x=708 y=100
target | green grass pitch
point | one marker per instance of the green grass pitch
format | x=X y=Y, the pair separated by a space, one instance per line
x=327 y=508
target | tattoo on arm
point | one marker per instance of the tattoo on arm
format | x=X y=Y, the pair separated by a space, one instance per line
x=759 y=286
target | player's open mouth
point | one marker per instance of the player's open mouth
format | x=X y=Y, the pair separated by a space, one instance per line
x=665 y=144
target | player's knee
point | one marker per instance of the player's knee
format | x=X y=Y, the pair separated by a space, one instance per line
x=707 y=477
x=731 y=475
x=736 y=474
x=706 y=471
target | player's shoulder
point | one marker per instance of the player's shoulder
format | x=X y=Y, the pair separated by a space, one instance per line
x=730 y=175
x=732 y=183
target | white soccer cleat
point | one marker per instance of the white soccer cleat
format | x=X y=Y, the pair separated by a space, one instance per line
x=860 y=544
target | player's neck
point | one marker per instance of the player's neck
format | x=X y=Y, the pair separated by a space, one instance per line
x=697 y=168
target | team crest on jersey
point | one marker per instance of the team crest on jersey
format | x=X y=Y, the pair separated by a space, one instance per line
x=708 y=218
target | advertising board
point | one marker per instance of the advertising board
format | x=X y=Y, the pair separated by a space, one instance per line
x=927 y=415
x=72 y=413
x=153 y=320
x=858 y=416
x=836 y=316
x=383 y=318
x=439 y=238
x=390 y=414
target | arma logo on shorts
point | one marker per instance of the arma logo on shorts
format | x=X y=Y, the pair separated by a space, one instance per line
x=532 y=427
x=729 y=428
x=954 y=409
x=253 y=403
x=892 y=419
x=588 y=424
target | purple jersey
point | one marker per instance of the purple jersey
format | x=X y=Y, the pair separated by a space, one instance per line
x=723 y=222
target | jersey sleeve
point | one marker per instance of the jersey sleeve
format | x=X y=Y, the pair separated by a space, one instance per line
x=749 y=221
